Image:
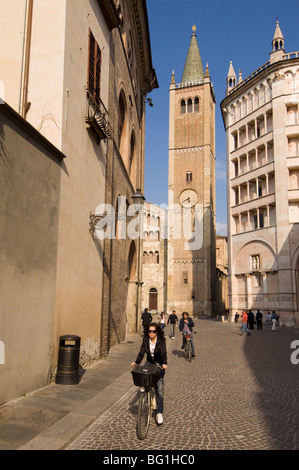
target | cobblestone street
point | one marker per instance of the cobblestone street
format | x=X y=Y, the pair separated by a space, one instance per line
x=239 y=393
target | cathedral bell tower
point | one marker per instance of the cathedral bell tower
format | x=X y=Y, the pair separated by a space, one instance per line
x=191 y=191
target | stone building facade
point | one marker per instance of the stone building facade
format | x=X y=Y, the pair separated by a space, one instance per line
x=191 y=193
x=132 y=77
x=261 y=119
x=221 y=286
x=79 y=72
x=154 y=288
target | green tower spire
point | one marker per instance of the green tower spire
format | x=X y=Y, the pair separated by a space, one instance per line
x=193 y=69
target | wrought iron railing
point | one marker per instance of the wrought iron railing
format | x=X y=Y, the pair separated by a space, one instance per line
x=97 y=118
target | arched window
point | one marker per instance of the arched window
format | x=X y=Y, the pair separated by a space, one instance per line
x=183 y=107
x=132 y=161
x=122 y=115
x=196 y=105
x=189 y=176
x=189 y=106
x=132 y=261
x=156 y=257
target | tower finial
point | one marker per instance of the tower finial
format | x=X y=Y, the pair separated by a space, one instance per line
x=193 y=69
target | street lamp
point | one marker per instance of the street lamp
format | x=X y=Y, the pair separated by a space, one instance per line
x=138 y=197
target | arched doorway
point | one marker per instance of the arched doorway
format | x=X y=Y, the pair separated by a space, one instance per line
x=153 y=299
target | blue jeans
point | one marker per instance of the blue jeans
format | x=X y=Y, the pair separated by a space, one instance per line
x=244 y=328
x=159 y=389
x=172 y=330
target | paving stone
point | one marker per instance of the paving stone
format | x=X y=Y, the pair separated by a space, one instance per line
x=239 y=393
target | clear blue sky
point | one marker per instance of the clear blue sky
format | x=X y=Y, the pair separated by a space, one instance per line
x=226 y=30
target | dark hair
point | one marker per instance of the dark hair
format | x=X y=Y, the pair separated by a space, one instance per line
x=160 y=332
x=185 y=313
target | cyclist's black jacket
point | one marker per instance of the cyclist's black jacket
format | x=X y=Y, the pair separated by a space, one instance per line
x=190 y=324
x=160 y=354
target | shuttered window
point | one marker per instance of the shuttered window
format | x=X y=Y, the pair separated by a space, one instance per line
x=94 y=69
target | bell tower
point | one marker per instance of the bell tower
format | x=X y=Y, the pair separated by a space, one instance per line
x=191 y=189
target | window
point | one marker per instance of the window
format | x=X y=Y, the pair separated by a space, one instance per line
x=196 y=105
x=183 y=107
x=94 y=69
x=255 y=262
x=122 y=123
x=185 y=277
x=257 y=282
x=189 y=105
x=189 y=176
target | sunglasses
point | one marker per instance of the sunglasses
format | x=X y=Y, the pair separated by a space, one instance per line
x=152 y=331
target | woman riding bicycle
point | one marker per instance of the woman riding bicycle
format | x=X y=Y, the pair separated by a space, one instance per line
x=186 y=327
x=154 y=345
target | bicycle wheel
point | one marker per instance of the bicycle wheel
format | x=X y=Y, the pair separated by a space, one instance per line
x=188 y=350
x=144 y=415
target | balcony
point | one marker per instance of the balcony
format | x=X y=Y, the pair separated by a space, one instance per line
x=97 y=119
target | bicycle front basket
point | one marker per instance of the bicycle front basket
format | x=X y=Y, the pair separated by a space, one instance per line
x=145 y=376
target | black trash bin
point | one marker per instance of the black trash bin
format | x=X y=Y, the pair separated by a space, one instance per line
x=68 y=360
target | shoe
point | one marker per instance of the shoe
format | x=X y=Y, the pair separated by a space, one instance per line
x=193 y=355
x=182 y=347
x=159 y=418
x=142 y=389
x=173 y=337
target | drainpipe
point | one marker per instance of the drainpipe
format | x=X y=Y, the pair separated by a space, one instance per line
x=24 y=103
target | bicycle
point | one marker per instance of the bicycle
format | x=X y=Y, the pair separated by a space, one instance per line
x=146 y=378
x=188 y=349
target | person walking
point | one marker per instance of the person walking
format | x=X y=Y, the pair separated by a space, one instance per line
x=275 y=319
x=268 y=319
x=172 y=320
x=154 y=346
x=146 y=318
x=259 y=320
x=244 y=317
x=162 y=320
x=186 y=327
x=251 y=320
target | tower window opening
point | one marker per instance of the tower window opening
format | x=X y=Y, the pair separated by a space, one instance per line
x=189 y=106
x=196 y=105
x=183 y=107
x=189 y=176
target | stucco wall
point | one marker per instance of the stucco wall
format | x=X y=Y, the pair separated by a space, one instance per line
x=29 y=209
